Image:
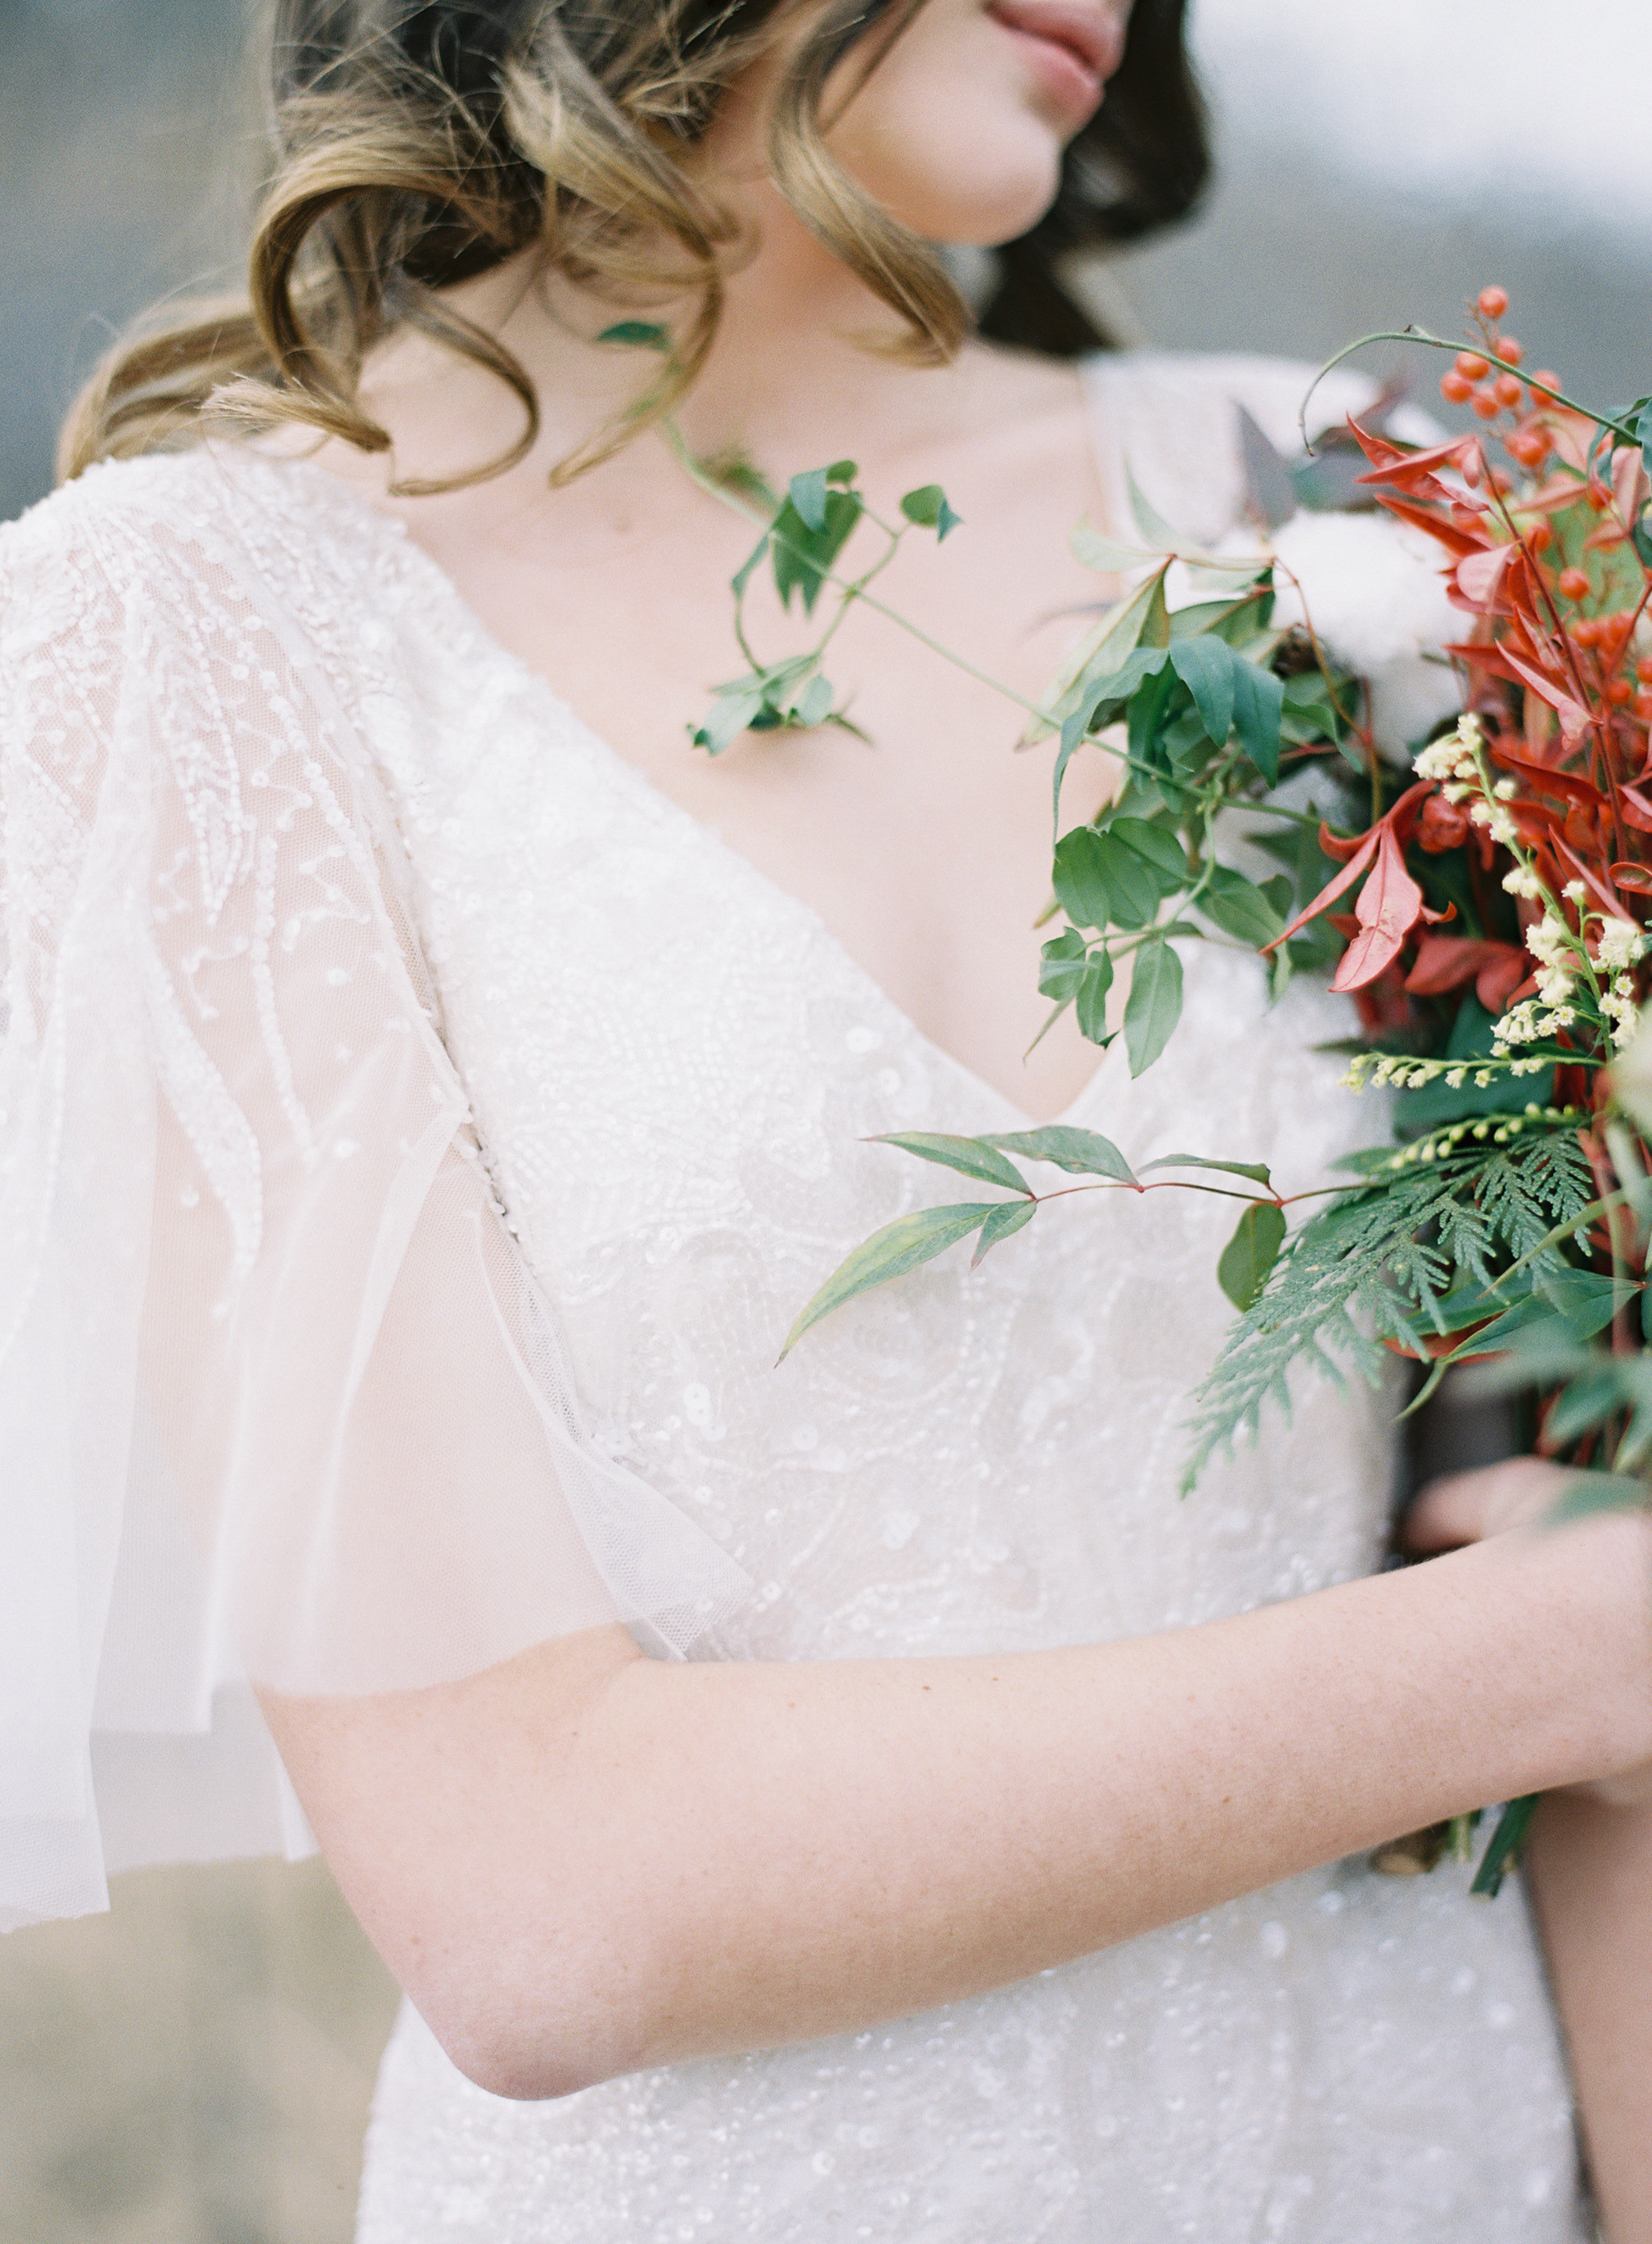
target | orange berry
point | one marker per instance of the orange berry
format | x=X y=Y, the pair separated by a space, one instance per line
x=1586 y=630
x=1485 y=404
x=1456 y=387
x=1502 y=483
x=1528 y=448
x=1509 y=347
x=1643 y=706
x=1618 y=692
x=1643 y=670
x=1599 y=498
x=1472 y=364
x=1540 y=537
x=1546 y=380
x=1493 y=302
x=1507 y=389
x=1574 y=583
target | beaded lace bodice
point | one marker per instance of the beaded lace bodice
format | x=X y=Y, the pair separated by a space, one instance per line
x=668 y=1069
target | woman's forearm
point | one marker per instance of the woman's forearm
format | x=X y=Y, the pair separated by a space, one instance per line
x=586 y=1862
x=1591 y=1875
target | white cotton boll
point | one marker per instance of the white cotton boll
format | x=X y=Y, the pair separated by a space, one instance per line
x=1375 y=592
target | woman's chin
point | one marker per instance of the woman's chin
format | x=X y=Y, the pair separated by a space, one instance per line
x=981 y=209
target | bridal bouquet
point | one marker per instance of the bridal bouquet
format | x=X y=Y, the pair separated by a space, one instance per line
x=1480 y=889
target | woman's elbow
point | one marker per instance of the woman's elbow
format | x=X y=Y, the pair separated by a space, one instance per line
x=566 y=2016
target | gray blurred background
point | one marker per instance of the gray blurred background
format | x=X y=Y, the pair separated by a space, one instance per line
x=195 y=2068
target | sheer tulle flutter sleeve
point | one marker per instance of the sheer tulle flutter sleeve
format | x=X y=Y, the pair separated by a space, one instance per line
x=279 y=1402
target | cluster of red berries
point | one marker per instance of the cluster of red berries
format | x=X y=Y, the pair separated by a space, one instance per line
x=1607 y=638
x=1488 y=390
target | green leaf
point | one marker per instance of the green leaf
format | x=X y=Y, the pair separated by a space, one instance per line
x=808 y=495
x=731 y=715
x=842 y=471
x=1584 y=1404
x=1093 y=994
x=741 y=576
x=1242 y=909
x=1258 y=700
x=640 y=334
x=1106 y=555
x=972 y=1156
x=1504 y=1849
x=1096 y=708
x=1080 y=878
x=1152 y=705
x=1152 y=525
x=1061 y=964
x=802 y=556
x=814 y=705
x=1205 y=667
x=1143 y=619
x=1008 y=1218
x=900 y=1247
x=1153 y=1005
x=1132 y=882
x=928 y=507
x=1085 y=1152
x=1580 y=1301
x=1269 y=493
x=1156 y=844
x=1247 y=1260
x=1592 y=1493
x=1257 y=1171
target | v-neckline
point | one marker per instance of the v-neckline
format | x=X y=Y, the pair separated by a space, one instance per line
x=536 y=686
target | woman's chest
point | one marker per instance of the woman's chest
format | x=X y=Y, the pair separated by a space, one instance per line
x=914 y=829
x=677 y=1072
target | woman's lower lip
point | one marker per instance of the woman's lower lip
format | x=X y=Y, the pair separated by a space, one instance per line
x=1060 y=72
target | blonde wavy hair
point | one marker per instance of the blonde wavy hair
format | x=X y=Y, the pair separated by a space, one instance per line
x=413 y=147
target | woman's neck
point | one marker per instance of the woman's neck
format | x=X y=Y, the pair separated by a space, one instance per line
x=790 y=368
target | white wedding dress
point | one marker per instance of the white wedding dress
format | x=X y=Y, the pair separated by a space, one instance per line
x=507 y=1119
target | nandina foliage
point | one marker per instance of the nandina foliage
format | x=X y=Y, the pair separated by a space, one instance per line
x=1549 y=566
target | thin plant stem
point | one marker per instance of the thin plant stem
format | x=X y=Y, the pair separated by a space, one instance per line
x=686 y=459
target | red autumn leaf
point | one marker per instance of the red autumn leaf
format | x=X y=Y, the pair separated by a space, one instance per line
x=1631 y=486
x=1636 y=810
x=1610 y=533
x=1382 y=1005
x=1402 y=816
x=1364 y=852
x=1605 y=895
x=1477 y=575
x=1572 y=785
x=1390 y=905
x=1633 y=876
x=1445 y=962
x=1574 y=718
x=1501 y=982
x=1390 y=463
x=1560 y=492
x=1443 y=826
x=1459 y=542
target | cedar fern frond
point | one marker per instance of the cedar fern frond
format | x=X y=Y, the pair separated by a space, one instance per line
x=1378 y=1262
